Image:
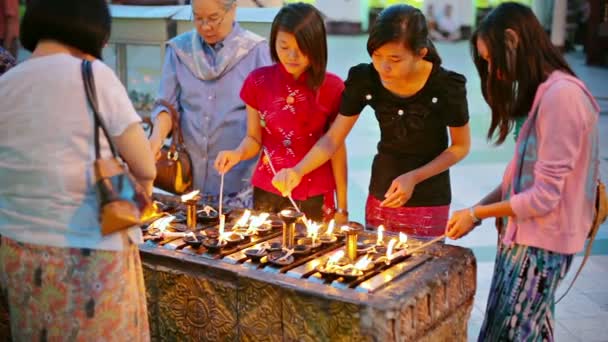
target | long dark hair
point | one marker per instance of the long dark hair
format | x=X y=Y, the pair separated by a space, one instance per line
x=403 y=24
x=305 y=22
x=84 y=25
x=510 y=84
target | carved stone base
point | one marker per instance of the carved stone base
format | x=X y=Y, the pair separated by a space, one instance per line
x=191 y=301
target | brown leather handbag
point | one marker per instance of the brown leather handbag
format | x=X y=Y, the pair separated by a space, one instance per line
x=123 y=202
x=174 y=167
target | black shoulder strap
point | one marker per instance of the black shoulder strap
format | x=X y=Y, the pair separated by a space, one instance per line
x=89 y=87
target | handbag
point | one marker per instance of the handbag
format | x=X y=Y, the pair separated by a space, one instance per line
x=174 y=166
x=123 y=202
x=600 y=211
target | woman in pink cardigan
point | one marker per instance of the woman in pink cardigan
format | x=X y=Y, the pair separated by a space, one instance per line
x=548 y=188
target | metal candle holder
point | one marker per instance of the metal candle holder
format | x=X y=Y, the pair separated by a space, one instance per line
x=289 y=217
x=191 y=213
x=351 y=243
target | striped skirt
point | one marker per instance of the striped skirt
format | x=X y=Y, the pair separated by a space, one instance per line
x=522 y=295
x=417 y=222
x=71 y=294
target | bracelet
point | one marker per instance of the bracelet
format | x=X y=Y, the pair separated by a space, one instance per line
x=476 y=220
x=342 y=211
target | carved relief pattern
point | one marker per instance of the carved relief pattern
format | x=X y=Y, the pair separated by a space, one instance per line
x=259 y=307
x=308 y=318
x=201 y=309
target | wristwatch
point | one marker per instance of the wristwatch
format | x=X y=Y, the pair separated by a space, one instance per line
x=341 y=211
x=476 y=220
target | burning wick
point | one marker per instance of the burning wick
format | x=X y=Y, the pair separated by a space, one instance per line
x=312 y=229
x=330 y=227
x=389 y=249
x=363 y=263
x=207 y=209
x=256 y=222
x=190 y=196
x=162 y=223
x=242 y=222
x=380 y=239
x=402 y=240
x=335 y=258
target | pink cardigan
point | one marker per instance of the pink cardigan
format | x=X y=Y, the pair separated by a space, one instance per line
x=555 y=211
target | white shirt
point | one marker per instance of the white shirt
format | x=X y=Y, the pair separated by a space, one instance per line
x=448 y=24
x=47 y=152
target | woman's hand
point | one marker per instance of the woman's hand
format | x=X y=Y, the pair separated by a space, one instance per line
x=341 y=218
x=286 y=180
x=226 y=160
x=460 y=224
x=400 y=191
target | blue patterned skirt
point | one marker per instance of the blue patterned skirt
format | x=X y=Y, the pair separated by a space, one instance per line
x=522 y=295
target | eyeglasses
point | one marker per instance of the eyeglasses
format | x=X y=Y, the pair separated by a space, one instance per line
x=213 y=23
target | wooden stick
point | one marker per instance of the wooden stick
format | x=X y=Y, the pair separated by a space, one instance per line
x=426 y=244
x=221 y=194
x=274 y=172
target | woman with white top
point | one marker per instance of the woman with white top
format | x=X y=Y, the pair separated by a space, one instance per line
x=59 y=276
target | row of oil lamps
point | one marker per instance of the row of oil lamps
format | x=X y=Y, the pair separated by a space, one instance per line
x=343 y=262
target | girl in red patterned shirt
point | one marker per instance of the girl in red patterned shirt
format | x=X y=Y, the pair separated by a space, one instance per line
x=290 y=105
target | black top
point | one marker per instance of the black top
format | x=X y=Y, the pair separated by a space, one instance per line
x=412 y=129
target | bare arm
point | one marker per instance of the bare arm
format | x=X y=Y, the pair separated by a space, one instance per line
x=135 y=150
x=493 y=197
x=402 y=187
x=458 y=149
x=498 y=209
x=250 y=145
x=248 y=148
x=160 y=129
x=340 y=170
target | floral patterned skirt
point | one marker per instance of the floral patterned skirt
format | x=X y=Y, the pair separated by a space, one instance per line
x=73 y=294
x=417 y=222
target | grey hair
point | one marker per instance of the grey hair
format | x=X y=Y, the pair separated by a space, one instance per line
x=227 y=3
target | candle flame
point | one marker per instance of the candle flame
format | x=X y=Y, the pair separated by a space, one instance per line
x=312 y=228
x=335 y=258
x=162 y=223
x=363 y=263
x=207 y=209
x=380 y=238
x=389 y=249
x=402 y=239
x=257 y=221
x=242 y=222
x=330 y=227
x=190 y=195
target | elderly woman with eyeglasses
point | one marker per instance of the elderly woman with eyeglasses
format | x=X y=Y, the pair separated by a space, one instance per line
x=203 y=70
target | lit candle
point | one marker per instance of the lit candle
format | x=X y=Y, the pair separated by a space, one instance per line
x=389 y=249
x=330 y=227
x=189 y=196
x=221 y=228
x=380 y=239
x=402 y=240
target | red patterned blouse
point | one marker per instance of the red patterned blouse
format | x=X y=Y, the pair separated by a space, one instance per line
x=293 y=118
